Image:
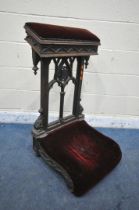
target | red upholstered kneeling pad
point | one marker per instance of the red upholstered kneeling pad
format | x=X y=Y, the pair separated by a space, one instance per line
x=82 y=154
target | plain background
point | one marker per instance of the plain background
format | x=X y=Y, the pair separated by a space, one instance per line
x=111 y=82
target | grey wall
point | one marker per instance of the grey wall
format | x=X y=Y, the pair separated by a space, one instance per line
x=111 y=82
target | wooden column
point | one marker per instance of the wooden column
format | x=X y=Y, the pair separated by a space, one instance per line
x=44 y=104
x=78 y=85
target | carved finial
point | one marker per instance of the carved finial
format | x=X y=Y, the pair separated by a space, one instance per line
x=36 y=59
x=86 y=61
x=35 y=69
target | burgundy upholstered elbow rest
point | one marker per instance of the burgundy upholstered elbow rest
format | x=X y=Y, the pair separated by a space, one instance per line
x=55 y=33
x=79 y=152
x=60 y=41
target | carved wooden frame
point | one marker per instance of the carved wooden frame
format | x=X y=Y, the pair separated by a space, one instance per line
x=63 y=53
